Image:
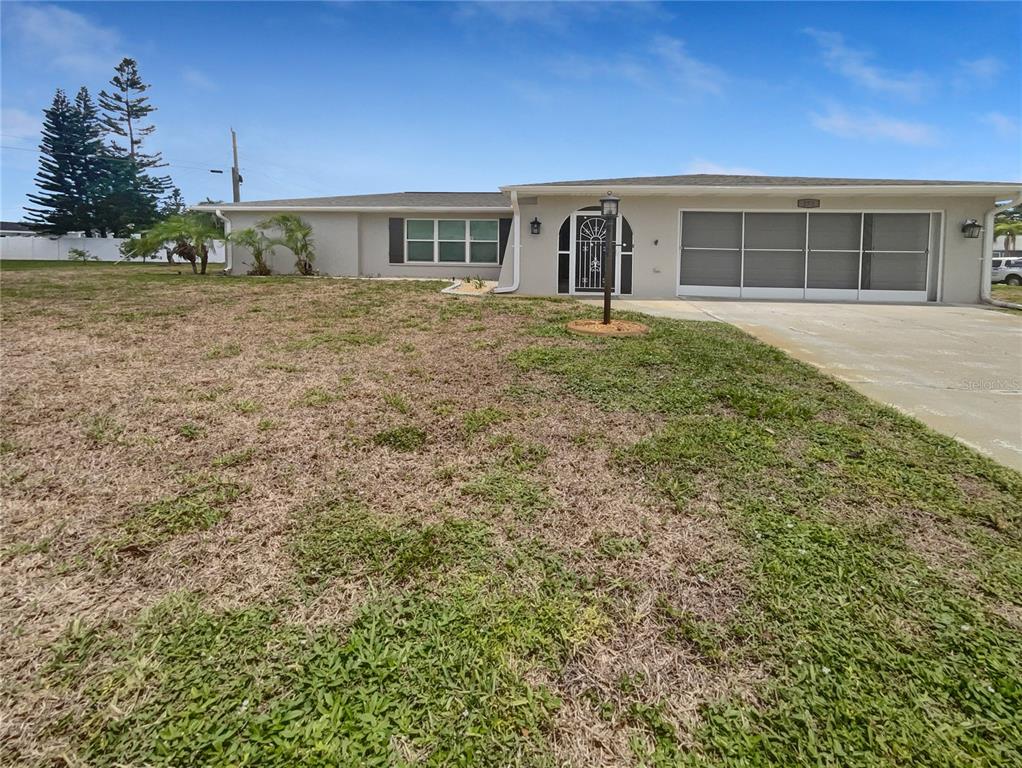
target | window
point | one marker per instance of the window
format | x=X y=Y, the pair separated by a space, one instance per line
x=484 y=241
x=420 y=237
x=452 y=241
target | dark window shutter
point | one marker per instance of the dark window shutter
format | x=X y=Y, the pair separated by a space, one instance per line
x=505 y=231
x=626 y=273
x=397 y=241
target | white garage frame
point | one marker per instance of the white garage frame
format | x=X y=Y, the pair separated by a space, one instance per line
x=805 y=292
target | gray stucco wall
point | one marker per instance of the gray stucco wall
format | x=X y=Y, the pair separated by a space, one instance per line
x=349 y=244
x=654 y=221
x=334 y=238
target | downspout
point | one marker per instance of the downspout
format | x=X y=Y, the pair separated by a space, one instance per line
x=228 y=245
x=986 y=266
x=516 y=228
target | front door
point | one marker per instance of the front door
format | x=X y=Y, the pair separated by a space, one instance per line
x=589 y=233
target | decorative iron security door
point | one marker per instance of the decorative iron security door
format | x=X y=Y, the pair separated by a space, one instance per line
x=590 y=242
x=580 y=254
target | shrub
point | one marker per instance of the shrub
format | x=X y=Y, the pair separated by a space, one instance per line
x=80 y=255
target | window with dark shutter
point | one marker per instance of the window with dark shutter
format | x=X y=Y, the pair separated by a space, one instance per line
x=397 y=241
x=505 y=231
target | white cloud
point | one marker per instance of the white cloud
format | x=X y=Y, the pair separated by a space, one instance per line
x=61 y=38
x=532 y=13
x=1002 y=124
x=198 y=80
x=872 y=126
x=855 y=65
x=689 y=73
x=17 y=125
x=553 y=16
x=983 y=70
x=665 y=66
x=699 y=165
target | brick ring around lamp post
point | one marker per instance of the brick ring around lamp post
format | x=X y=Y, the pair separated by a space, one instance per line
x=608 y=326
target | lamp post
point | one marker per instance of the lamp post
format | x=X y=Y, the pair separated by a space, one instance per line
x=609 y=209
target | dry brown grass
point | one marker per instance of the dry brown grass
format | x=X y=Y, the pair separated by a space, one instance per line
x=98 y=385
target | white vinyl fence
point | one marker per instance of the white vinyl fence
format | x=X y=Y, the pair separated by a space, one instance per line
x=41 y=248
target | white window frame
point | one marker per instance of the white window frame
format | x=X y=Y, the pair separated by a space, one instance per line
x=437 y=240
x=820 y=294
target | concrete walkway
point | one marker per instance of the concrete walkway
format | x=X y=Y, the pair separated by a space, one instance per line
x=957 y=369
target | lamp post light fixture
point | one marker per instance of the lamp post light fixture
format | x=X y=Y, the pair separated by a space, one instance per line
x=972 y=228
x=609 y=210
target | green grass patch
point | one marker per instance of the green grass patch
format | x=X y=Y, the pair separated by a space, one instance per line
x=477 y=420
x=872 y=656
x=102 y=429
x=415 y=678
x=404 y=438
x=247 y=406
x=397 y=402
x=285 y=367
x=344 y=538
x=234 y=458
x=509 y=489
x=190 y=431
x=223 y=351
x=317 y=397
x=199 y=507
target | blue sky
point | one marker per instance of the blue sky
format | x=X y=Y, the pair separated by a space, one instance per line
x=359 y=97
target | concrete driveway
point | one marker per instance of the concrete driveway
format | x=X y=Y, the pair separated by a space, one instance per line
x=956 y=369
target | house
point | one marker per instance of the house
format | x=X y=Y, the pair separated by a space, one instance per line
x=756 y=237
x=15 y=229
x=1000 y=249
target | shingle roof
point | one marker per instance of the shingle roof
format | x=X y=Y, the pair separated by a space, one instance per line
x=388 y=200
x=722 y=180
x=14 y=226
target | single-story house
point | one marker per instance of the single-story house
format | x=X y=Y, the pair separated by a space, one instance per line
x=756 y=237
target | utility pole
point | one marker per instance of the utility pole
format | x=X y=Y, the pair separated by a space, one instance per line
x=235 y=172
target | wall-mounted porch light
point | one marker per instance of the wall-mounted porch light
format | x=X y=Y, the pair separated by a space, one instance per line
x=534 y=226
x=972 y=228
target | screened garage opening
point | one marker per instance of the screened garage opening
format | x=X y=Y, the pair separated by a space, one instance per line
x=817 y=255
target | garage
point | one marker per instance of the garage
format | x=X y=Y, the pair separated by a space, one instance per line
x=816 y=255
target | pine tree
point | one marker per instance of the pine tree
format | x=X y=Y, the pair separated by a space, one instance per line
x=132 y=203
x=126 y=107
x=57 y=204
x=92 y=172
x=173 y=203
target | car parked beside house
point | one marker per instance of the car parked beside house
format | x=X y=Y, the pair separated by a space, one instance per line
x=1008 y=271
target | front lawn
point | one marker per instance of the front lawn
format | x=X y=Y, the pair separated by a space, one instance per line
x=1012 y=293
x=348 y=522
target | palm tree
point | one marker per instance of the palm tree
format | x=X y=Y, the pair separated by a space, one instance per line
x=259 y=245
x=194 y=233
x=1009 y=230
x=296 y=236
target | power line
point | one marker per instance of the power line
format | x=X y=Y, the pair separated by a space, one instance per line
x=194 y=166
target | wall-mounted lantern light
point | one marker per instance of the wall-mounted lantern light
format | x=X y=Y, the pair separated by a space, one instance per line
x=534 y=226
x=608 y=205
x=972 y=228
